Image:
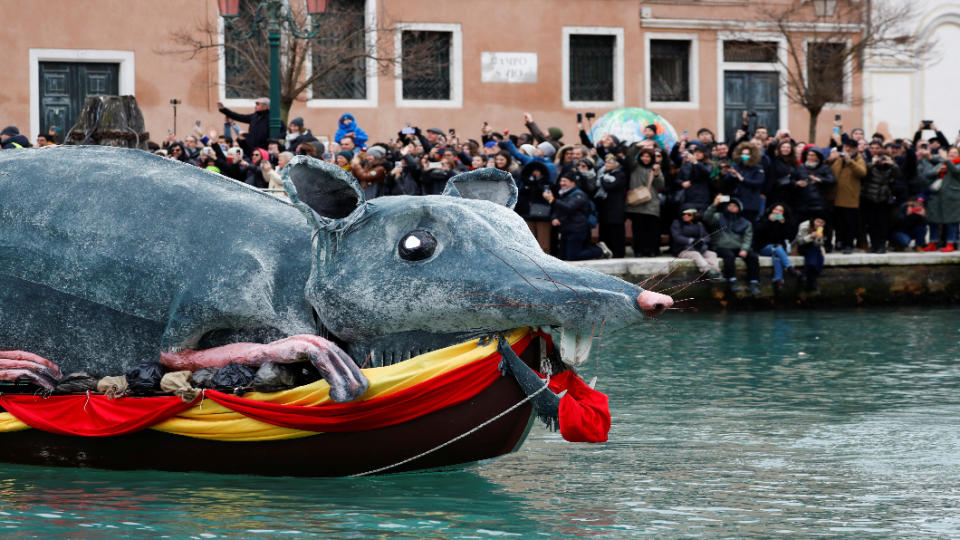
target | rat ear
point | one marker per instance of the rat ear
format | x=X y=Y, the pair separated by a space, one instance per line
x=486 y=184
x=325 y=193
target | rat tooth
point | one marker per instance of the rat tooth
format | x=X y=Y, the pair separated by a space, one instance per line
x=584 y=342
x=568 y=346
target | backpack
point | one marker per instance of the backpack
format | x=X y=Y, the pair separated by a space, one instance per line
x=593 y=218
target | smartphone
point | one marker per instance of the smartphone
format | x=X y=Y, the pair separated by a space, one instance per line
x=579 y=117
x=398 y=164
x=685 y=132
x=724 y=198
x=590 y=115
x=434 y=165
x=452 y=132
x=836 y=117
x=198 y=123
x=407 y=131
x=927 y=124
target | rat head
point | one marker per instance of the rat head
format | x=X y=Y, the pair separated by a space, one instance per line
x=400 y=275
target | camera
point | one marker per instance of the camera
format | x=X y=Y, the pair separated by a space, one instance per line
x=927 y=124
x=175 y=101
x=579 y=118
x=590 y=115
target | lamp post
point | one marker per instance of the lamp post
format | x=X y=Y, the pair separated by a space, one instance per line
x=272 y=14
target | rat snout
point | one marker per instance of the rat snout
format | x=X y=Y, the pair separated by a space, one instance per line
x=653 y=303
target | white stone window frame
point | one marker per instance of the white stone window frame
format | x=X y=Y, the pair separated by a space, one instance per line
x=618 y=66
x=370 y=41
x=456 y=65
x=847 y=72
x=693 y=65
x=722 y=66
x=126 y=76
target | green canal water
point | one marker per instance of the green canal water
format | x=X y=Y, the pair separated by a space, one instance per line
x=838 y=423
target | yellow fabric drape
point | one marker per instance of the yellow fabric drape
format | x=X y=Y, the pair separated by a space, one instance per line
x=210 y=420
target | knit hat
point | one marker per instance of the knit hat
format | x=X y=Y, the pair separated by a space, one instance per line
x=10 y=130
x=528 y=149
x=555 y=133
x=298 y=121
x=548 y=149
x=346 y=153
x=376 y=151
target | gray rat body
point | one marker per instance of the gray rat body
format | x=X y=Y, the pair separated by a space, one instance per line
x=112 y=257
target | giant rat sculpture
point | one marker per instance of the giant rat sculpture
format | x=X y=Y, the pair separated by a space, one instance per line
x=112 y=257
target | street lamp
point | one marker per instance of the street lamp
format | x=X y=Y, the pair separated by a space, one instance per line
x=272 y=14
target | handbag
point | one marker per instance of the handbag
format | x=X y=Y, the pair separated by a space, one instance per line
x=638 y=195
x=539 y=211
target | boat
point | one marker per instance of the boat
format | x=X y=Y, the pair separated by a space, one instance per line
x=442 y=409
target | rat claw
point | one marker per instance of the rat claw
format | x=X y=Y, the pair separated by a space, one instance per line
x=346 y=381
x=16 y=365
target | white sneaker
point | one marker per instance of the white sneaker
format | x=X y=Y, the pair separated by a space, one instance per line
x=607 y=254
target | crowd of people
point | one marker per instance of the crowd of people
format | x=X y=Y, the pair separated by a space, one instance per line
x=703 y=199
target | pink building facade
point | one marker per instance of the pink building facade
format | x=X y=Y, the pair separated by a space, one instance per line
x=553 y=58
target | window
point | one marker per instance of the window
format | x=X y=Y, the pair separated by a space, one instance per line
x=825 y=73
x=342 y=36
x=591 y=65
x=425 y=63
x=669 y=70
x=750 y=51
x=245 y=61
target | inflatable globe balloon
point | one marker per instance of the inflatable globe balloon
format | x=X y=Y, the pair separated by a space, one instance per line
x=627 y=125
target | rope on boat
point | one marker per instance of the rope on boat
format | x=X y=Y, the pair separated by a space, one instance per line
x=546 y=384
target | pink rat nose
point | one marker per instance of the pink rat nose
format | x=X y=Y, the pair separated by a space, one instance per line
x=653 y=303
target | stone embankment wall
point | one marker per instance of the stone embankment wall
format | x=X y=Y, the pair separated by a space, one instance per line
x=859 y=279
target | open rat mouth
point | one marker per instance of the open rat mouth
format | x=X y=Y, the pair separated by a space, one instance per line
x=574 y=345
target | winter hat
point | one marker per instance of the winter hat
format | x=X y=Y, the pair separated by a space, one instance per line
x=345 y=117
x=490 y=144
x=436 y=130
x=263 y=153
x=548 y=149
x=298 y=121
x=555 y=133
x=528 y=149
x=346 y=153
x=10 y=130
x=376 y=151
x=586 y=161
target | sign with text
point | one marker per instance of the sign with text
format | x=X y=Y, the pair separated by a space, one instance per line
x=508 y=67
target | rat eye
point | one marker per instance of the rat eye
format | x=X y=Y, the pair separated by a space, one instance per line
x=417 y=245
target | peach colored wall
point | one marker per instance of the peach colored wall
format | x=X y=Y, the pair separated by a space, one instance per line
x=144 y=27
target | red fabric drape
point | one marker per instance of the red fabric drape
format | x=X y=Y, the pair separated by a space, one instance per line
x=440 y=392
x=94 y=415
x=584 y=412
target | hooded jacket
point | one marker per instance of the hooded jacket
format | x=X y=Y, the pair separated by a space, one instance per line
x=733 y=230
x=750 y=189
x=348 y=124
x=877 y=185
x=812 y=197
x=610 y=208
x=643 y=176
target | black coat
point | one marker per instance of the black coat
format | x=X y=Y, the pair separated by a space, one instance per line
x=773 y=232
x=698 y=194
x=259 y=132
x=687 y=236
x=573 y=210
x=812 y=198
x=877 y=186
x=610 y=209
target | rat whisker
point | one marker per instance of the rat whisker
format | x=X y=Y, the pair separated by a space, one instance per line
x=513 y=268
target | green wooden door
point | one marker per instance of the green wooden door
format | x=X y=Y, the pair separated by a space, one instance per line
x=756 y=91
x=65 y=85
